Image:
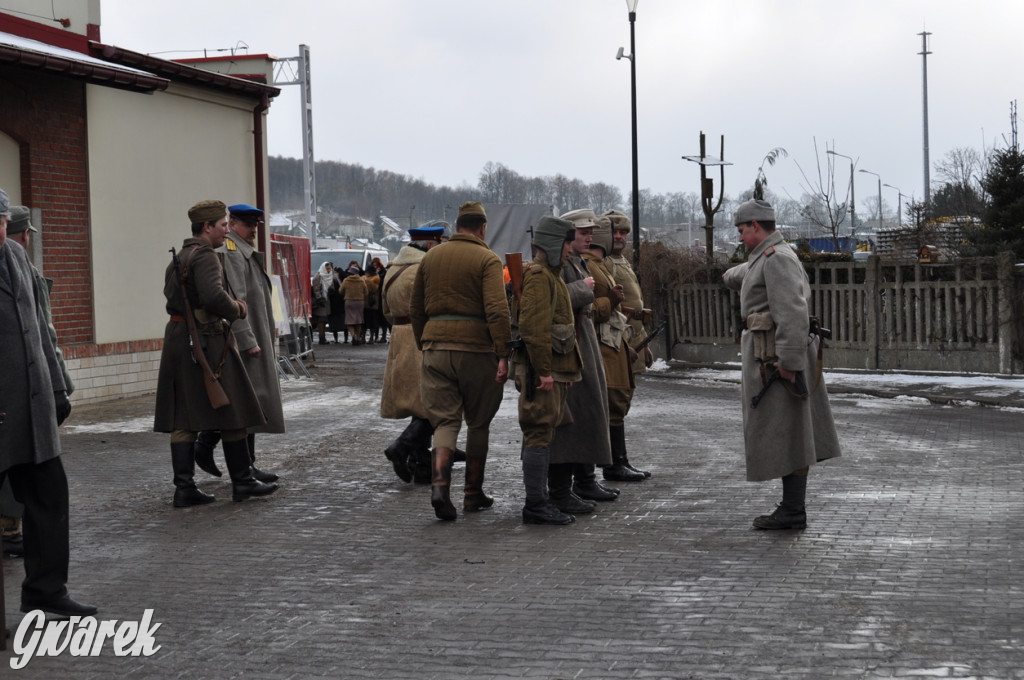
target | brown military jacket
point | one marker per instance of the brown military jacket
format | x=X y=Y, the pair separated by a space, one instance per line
x=617 y=366
x=546 y=318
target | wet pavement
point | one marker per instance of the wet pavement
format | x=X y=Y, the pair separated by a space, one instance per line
x=910 y=566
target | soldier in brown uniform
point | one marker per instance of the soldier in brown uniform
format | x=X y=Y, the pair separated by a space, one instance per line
x=546 y=363
x=626 y=277
x=616 y=353
x=183 y=406
x=460 y=320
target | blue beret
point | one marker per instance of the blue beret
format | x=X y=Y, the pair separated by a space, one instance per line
x=426 y=233
x=245 y=211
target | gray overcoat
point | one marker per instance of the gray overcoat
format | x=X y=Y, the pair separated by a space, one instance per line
x=586 y=439
x=784 y=433
x=248 y=281
x=29 y=366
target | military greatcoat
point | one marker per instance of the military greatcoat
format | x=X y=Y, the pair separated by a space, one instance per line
x=617 y=364
x=785 y=432
x=585 y=439
x=249 y=282
x=29 y=366
x=181 y=399
x=624 y=275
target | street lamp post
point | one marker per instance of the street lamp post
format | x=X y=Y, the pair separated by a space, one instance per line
x=880 y=222
x=899 y=210
x=853 y=201
x=631 y=6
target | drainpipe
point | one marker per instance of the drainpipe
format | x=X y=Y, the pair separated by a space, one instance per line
x=261 y=199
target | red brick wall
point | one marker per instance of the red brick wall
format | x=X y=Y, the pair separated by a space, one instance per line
x=46 y=116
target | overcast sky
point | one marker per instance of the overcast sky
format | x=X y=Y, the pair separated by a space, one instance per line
x=435 y=89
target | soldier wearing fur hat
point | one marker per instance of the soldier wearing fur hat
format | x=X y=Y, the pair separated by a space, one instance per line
x=789 y=430
x=34 y=403
x=195 y=284
x=255 y=335
x=615 y=351
x=581 y=442
x=460 y=320
x=545 y=363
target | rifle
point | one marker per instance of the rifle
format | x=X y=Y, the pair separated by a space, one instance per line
x=643 y=315
x=214 y=390
x=800 y=390
x=514 y=262
x=646 y=341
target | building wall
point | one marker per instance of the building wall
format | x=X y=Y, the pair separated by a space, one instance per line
x=79 y=13
x=151 y=157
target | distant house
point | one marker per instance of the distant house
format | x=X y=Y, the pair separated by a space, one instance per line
x=110 y=148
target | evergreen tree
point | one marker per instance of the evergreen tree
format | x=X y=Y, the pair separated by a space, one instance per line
x=1004 y=216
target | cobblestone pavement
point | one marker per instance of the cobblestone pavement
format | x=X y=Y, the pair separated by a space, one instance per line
x=910 y=567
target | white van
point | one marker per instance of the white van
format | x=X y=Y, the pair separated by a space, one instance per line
x=340 y=257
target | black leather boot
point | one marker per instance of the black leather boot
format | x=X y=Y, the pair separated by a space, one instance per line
x=206 y=442
x=476 y=499
x=538 y=508
x=560 y=491
x=440 y=485
x=619 y=470
x=421 y=433
x=183 y=462
x=261 y=475
x=791 y=513
x=586 y=486
x=243 y=484
x=399 y=453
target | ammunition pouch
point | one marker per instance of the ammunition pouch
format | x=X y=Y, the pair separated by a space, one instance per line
x=563 y=338
x=611 y=331
x=762 y=327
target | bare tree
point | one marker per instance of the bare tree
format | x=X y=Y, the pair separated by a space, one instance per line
x=821 y=204
x=761 y=181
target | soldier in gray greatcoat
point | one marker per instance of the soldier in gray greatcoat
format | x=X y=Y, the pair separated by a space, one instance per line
x=254 y=335
x=33 y=403
x=789 y=430
x=583 y=442
x=183 y=405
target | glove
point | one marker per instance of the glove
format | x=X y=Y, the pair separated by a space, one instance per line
x=63 y=406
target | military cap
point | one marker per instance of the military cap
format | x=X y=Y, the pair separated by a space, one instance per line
x=603 y=234
x=550 y=234
x=207 y=211
x=245 y=212
x=472 y=208
x=435 y=233
x=620 y=221
x=754 y=210
x=19 y=220
x=581 y=219
x=5 y=203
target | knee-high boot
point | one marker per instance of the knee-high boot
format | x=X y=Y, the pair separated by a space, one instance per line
x=419 y=459
x=475 y=498
x=538 y=508
x=440 y=485
x=206 y=442
x=183 y=462
x=791 y=513
x=243 y=484
x=620 y=470
x=560 y=491
x=261 y=475
x=586 y=486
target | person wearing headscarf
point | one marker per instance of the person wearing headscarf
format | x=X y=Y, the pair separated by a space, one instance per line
x=354 y=290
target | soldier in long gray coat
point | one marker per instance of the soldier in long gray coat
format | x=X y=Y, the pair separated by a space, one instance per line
x=33 y=403
x=583 y=442
x=254 y=335
x=788 y=431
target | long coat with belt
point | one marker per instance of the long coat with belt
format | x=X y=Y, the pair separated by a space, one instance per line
x=585 y=439
x=617 y=364
x=29 y=366
x=784 y=433
x=181 y=399
x=249 y=282
x=400 y=396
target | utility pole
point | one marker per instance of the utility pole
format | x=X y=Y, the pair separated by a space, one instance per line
x=924 y=61
x=308 y=164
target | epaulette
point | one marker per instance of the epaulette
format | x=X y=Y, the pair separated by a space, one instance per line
x=769 y=251
x=229 y=244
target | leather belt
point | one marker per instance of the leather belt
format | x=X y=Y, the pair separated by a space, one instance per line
x=401 y=321
x=179 y=319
